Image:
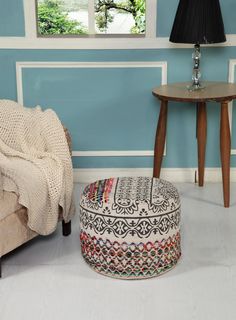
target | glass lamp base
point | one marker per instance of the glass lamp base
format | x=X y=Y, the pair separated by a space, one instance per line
x=195 y=87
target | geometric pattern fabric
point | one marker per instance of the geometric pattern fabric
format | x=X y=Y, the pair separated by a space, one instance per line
x=130 y=227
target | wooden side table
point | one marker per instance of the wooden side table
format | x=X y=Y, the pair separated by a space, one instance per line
x=221 y=92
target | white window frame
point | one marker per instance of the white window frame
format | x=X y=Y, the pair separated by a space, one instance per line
x=87 y=43
x=150 y=32
x=91 y=17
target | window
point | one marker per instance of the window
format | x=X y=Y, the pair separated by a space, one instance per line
x=91 y=17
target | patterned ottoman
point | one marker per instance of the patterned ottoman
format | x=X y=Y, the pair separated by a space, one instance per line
x=130 y=227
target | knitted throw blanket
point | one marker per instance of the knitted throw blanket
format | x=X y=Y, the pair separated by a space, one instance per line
x=35 y=163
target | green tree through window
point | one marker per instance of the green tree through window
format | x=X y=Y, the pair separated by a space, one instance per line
x=53 y=20
x=64 y=17
x=105 y=14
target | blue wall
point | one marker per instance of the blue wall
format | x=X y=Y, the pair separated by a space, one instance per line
x=113 y=108
x=11 y=18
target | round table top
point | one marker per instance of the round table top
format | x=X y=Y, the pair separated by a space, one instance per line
x=212 y=91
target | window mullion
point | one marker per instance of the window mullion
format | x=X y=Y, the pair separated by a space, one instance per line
x=91 y=16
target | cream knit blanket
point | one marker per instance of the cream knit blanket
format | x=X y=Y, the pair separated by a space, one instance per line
x=35 y=163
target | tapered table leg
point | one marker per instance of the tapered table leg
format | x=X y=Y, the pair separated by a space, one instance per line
x=225 y=145
x=160 y=139
x=201 y=140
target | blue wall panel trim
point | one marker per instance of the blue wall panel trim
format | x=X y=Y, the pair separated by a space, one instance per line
x=105 y=108
x=12 y=23
x=115 y=96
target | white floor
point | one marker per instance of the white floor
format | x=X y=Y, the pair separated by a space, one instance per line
x=47 y=278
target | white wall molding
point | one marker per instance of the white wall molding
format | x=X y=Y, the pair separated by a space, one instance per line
x=127 y=64
x=122 y=153
x=20 y=65
x=170 y=174
x=231 y=79
x=100 y=43
x=85 y=64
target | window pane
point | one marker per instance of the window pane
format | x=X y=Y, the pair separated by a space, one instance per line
x=120 y=17
x=71 y=17
x=62 y=17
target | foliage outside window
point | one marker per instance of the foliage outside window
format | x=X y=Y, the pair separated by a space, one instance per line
x=84 y=17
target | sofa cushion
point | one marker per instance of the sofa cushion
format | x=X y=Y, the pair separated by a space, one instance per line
x=8 y=204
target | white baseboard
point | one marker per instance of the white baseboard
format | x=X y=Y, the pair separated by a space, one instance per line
x=171 y=174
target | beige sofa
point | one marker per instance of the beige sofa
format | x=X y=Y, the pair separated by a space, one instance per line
x=13 y=221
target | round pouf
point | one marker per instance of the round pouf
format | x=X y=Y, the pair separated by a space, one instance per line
x=130 y=227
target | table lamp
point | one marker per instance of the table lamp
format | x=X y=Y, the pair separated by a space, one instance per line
x=198 y=22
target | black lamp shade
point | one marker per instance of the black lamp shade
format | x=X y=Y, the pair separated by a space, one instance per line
x=198 y=22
